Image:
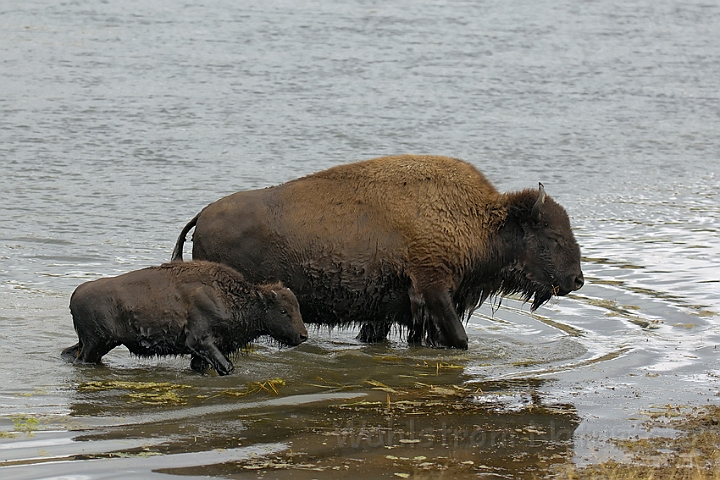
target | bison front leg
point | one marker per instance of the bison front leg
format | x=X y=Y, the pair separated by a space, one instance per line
x=444 y=328
x=206 y=352
x=220 y=362
x=198 y=364
x=199 y=340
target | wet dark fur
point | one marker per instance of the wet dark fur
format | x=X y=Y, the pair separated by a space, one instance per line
x=416 y=241
x=203 y=309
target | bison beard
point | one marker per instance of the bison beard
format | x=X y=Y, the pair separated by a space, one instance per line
x=414 y=241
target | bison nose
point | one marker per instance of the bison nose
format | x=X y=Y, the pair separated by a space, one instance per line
x=579 y=282
x=303 y=338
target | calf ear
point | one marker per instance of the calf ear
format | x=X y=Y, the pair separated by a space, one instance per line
x=537 y=208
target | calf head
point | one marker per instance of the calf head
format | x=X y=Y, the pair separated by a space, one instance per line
x=549 y=259
x=282 y=319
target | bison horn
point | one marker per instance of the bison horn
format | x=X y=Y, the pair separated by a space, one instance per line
x=537 y=208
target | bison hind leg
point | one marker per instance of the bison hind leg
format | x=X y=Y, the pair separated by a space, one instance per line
x=70 y=354
x=92 y=350
x=86 y=352
x=374 y=332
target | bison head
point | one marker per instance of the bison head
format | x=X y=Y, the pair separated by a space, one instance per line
x=548 y=260
x=282 y=319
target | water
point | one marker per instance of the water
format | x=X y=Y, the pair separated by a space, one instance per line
x=121 y=120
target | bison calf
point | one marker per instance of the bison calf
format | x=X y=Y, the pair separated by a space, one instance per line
x=203 y=309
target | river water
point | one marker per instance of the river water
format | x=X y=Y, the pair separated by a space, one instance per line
x=120 y=120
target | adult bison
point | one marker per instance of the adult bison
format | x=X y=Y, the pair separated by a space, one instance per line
x=203 y=309
x=419 y=241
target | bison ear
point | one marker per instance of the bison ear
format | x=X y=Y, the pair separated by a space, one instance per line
x=537 y=208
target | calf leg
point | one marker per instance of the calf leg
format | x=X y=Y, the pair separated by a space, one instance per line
x=220 y=362
x=208 y=311
x=207 y=352
x=198 y=364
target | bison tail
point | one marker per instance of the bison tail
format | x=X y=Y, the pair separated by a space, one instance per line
x=177 y=254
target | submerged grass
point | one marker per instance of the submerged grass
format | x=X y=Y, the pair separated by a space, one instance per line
x=694 y=454
x=271 y=386
x=166 y=393
x=25 y=424
x=148 y=393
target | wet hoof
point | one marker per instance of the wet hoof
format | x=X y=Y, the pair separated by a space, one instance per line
x=225 y=369
x=198 y=364
x=436 y=339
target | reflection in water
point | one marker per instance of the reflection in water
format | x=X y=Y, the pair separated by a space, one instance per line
x=440 y=424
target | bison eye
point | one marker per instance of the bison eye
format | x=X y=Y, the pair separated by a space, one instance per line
x=283 y=311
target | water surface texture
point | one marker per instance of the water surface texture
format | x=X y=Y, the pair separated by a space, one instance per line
x=120 y=120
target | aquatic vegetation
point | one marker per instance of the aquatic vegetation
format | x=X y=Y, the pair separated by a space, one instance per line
x=140 y=454
x=158 y=398
x=330 y=385
x=22 y=424
x=688 y=326
x=694 y=454
x=25 y=424
x=148 y=393
x=116 y=384
x=381 y=386
x=269 y=386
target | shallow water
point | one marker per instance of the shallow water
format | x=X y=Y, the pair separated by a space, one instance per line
x=119 y=121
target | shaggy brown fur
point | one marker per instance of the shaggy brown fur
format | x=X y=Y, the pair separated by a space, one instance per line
x=416 y=240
